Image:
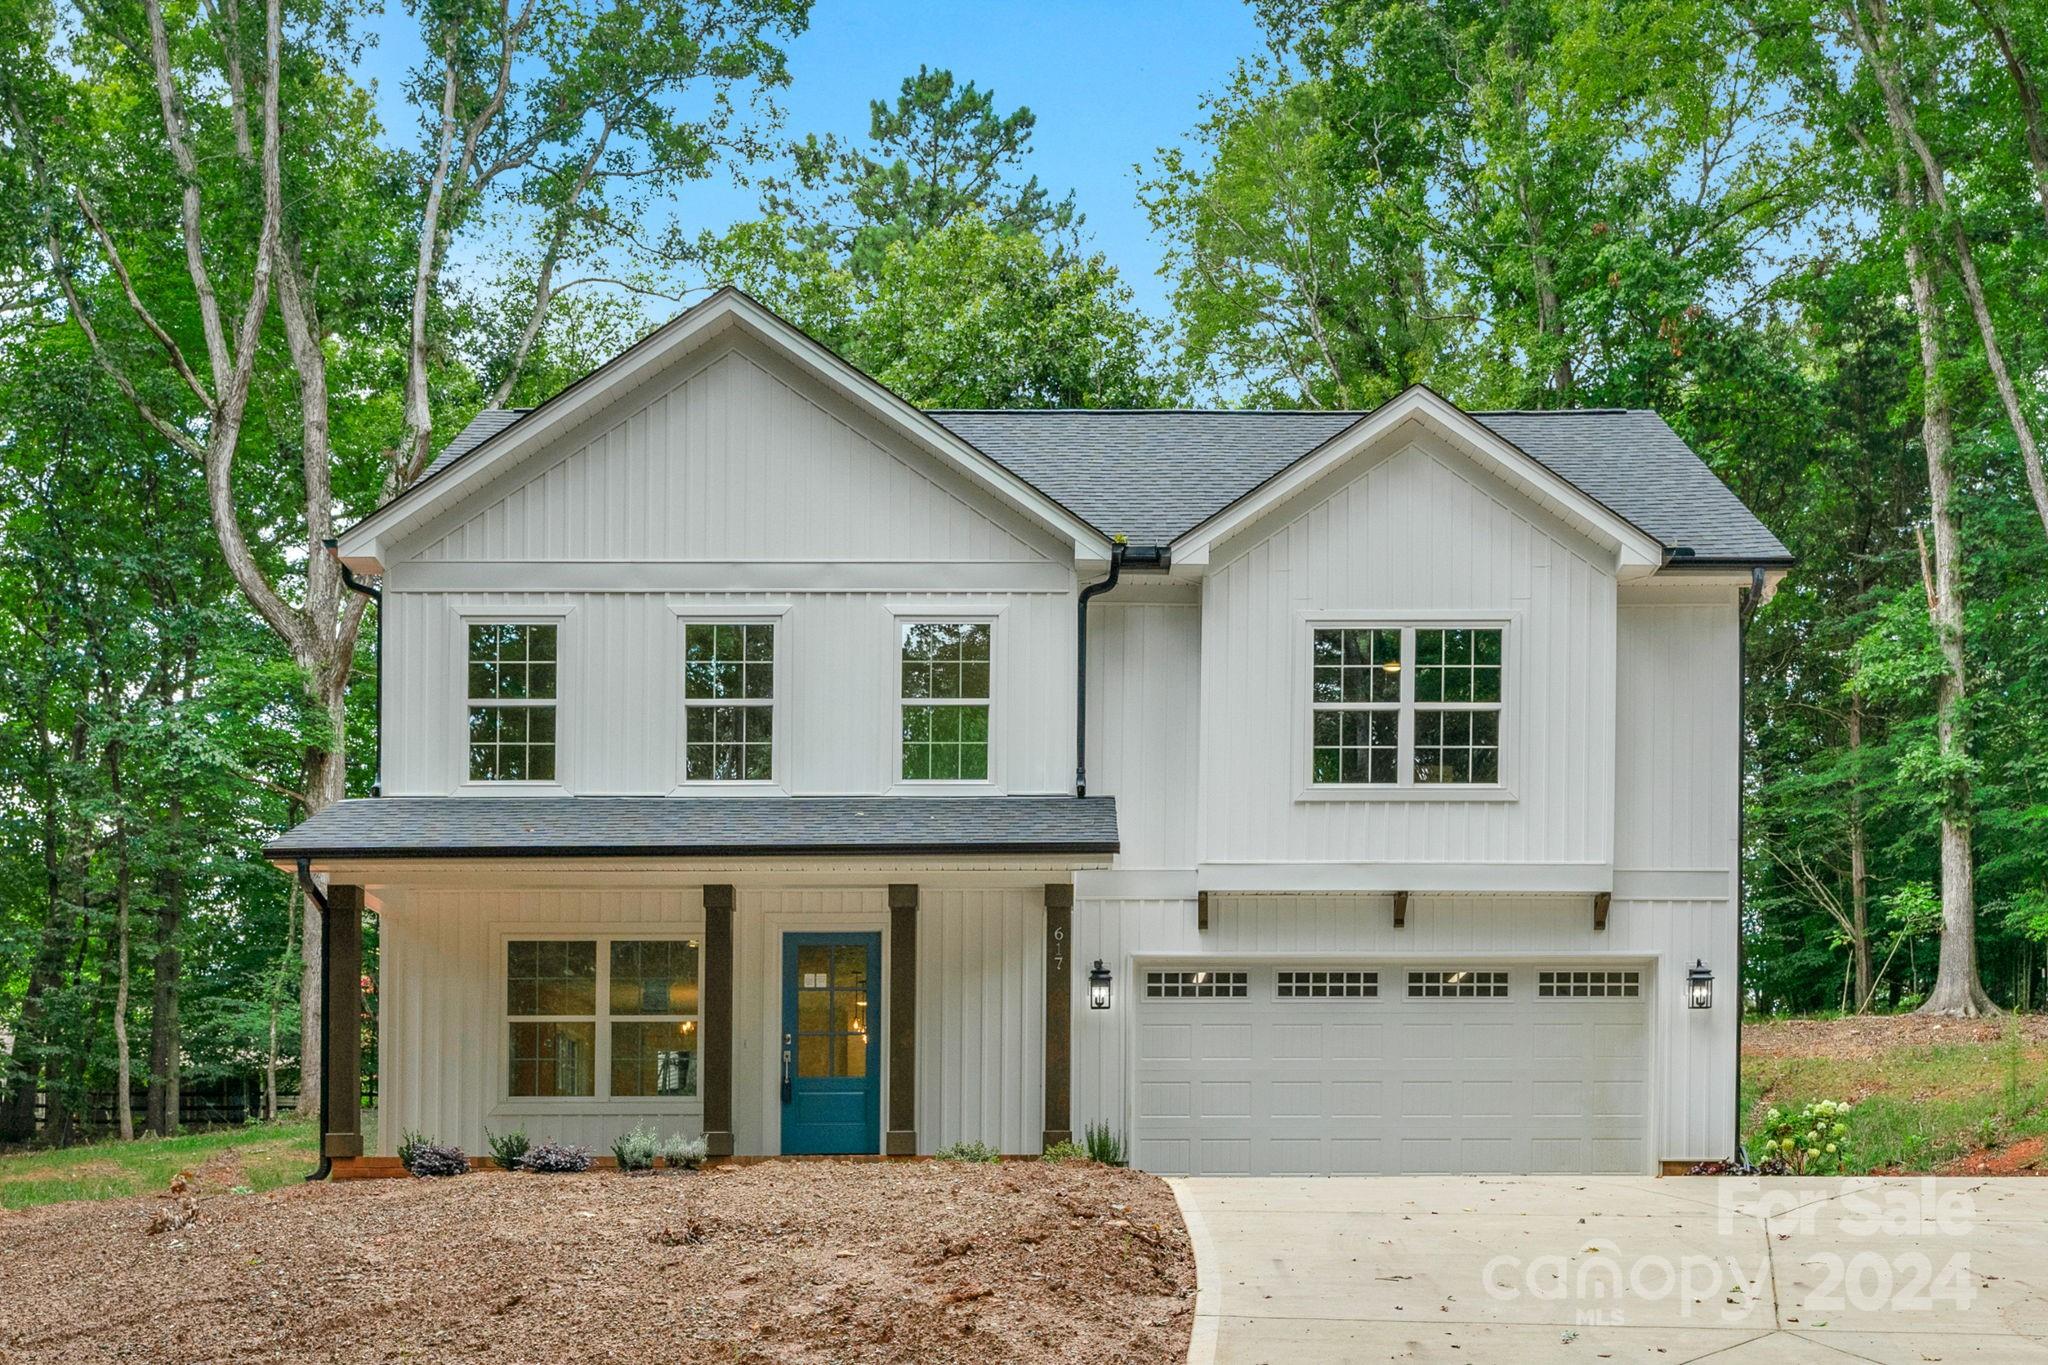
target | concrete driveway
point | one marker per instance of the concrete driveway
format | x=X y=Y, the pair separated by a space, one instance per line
x=1532 y=1269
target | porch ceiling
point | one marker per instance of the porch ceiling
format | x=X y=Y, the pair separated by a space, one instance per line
x=587 y=827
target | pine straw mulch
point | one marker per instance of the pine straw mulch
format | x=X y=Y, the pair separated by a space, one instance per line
x=1862 y=1038
x=777 y=1262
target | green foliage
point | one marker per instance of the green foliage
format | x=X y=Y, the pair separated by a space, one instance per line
x=1065 y=1151
x=1103 y=1144
x=1916 y=1108
x=637 y=1149
x=507 y=1149
x=922 y=258
x=1813 y=1141
x=968 y=1151
x=685 y=1153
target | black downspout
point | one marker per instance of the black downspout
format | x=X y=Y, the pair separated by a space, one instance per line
x=318 y=897
x=1751 y=598
x=354 y=584
x=1088 y=594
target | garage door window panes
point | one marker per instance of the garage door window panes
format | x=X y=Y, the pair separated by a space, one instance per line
x=1588 y=985
x=1196 y=985
x=1457 y=985
x=1325 y=985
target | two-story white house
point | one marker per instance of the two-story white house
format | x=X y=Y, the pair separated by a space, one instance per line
x=740 y=773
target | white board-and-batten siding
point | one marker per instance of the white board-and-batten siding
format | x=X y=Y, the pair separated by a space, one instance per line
x=1418 y=537
x=442 y=1030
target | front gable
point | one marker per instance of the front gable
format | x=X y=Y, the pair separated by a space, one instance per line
x=779 y=435
x=734 y=458
x=1420 y=416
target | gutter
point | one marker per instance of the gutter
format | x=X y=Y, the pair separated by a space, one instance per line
x=315 y=896
x=1088 y=594
x=357 y=585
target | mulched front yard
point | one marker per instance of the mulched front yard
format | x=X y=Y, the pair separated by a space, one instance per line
x=783 y=1261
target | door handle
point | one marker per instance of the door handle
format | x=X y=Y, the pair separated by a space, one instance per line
x=785 y=1068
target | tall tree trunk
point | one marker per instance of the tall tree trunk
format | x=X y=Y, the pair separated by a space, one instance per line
x=166 y=1042
x=1956 y=989
x=124 y=1079
x=1859 y=865
x=31 y=1043
x=1900 y=113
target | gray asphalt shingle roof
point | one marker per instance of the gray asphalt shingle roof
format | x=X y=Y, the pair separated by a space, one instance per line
x=1153 y=475
x=654 y=827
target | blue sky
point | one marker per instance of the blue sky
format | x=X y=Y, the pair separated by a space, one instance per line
x=1109 y=82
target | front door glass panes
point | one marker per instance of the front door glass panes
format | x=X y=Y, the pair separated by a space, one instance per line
x=832 y=1009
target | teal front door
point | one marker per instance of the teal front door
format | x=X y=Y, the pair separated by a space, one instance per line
x=831 y=1057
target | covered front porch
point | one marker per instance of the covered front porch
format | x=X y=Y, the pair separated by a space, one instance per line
x=889 y=1001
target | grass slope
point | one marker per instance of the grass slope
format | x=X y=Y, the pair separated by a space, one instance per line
x=261 y=1156
x=1925 y=1095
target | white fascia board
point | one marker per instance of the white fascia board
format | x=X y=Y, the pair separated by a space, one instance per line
x=362 y=547
x=1637 y=552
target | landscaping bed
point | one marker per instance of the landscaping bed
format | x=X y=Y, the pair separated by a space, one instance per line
x=781 y=1261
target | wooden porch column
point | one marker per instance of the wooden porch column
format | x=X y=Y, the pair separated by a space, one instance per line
x=901 y=1137
x=341 y=1069
x=717 y=1022
x=1059 y=1016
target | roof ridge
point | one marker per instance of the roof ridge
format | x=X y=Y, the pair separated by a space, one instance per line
x=1261 y=412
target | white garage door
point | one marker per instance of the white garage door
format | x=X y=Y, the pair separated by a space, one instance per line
x=1361 y=1068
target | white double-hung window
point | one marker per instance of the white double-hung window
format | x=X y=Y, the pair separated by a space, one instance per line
x=944 y=701
x=729 y=701
x=1402 y=706
x=511 y=670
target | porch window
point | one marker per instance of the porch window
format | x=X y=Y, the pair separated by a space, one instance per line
x=511 y=702
x=945 y=701
x=729 y=702
x=622 y=1012
x=1405 y=706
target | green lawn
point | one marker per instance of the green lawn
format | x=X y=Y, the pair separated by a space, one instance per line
x=260 y=1156
x=1918 y=1105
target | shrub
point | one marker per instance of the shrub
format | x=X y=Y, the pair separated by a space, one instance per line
x=637 y=1149
x=430 y=1159
x=409 y=1144
x=507 y=1148
x=1813 y=1141
x=1065 y=1151
x=555 y=1158
x=1103 y=1145
x=688 y=1153
x=968 y=1151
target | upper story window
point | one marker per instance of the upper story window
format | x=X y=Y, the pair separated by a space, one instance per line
x=729 y=702
x=945 y=701
x=1405 y=706
x=512 y=671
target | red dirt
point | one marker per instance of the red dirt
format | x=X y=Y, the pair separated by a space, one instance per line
x=797 y=1261
x=2028 y=1156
